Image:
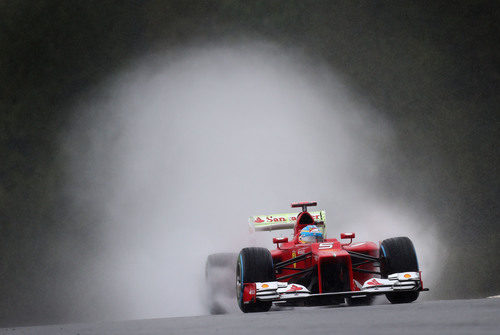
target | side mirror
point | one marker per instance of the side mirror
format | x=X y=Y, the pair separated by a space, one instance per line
x=347 y=235
x=277 y=240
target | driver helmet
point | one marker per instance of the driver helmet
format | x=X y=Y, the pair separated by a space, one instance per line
x=310 y=234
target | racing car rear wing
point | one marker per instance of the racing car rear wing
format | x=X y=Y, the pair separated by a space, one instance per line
x=282 y=221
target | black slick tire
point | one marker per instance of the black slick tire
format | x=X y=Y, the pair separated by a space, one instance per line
x=398 y=254
x=253 y=265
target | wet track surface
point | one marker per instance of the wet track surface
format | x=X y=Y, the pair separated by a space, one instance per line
x=481 y=316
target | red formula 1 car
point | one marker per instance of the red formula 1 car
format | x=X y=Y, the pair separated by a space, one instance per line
x=325 y=272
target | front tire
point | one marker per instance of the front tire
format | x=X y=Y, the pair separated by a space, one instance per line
x=398 y=255
x=253 y=265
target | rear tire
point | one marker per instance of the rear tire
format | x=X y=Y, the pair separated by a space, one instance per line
x=398 y=255
x=253 y=265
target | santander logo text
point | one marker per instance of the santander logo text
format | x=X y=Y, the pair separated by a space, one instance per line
x=277 y=219
x=271 y=219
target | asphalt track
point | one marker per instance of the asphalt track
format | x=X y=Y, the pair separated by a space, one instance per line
x=481 y=316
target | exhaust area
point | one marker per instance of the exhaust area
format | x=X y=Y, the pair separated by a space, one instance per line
x=171 y=157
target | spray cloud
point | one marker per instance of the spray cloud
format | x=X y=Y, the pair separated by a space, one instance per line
x=182 y=148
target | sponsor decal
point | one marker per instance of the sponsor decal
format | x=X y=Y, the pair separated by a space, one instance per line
x=374 y=282
x=301 y=251
x=275 y=219
x=294 y=254
x=265 y=286
x=294 y=288
x=272 y=219
x=284 y=218
x=407 y=275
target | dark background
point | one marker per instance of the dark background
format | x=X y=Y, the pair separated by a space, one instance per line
x=430 y=68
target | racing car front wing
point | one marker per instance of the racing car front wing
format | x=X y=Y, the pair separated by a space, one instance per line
x=288 y=292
